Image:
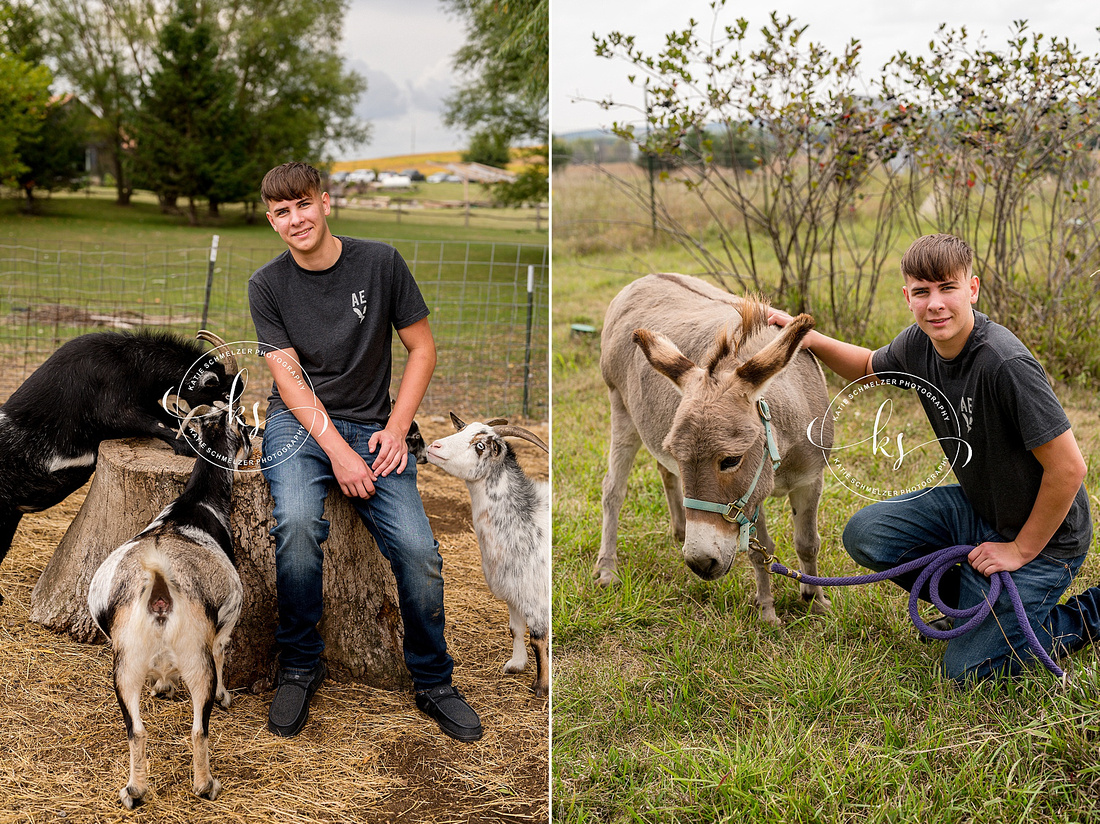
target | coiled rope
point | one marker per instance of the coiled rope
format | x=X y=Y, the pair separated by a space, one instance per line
x=933 y=567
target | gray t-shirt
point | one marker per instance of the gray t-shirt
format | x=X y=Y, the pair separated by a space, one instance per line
x=1005 y=408
x=340 y=321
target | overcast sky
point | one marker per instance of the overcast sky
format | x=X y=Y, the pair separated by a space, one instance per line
x=883 y=28
x=404 y=49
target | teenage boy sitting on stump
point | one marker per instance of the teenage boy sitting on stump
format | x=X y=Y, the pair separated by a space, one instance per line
x=1020 y=500
x=331 y=304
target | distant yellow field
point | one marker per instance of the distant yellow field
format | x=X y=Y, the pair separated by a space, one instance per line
x=427 y=163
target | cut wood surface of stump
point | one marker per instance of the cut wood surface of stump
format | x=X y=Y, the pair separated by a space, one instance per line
x=136 y=478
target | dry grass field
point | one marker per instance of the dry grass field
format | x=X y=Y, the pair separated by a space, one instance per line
x=366 y=755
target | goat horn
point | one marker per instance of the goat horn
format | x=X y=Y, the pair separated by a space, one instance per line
x=520 y=432
x=496 y=422
x=173 y=405
x=218 y=343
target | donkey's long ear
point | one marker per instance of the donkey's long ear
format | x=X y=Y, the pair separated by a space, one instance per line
x=665 y=357
x=759 y=370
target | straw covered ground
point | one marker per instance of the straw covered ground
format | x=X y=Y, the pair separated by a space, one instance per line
x=366 y=755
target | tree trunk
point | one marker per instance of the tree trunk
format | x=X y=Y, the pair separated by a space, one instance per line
x=136 y=478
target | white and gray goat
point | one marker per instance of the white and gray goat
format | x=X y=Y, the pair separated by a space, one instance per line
x=169 y=599
x=511 y=515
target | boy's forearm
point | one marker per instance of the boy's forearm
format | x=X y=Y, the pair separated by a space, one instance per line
x=1063 y=473
x=308 y=410
x=414 y=384
x=418 y=341
x=849 y=361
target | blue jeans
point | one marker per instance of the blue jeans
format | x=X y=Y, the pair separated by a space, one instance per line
x=300 y=475
x=902 y=529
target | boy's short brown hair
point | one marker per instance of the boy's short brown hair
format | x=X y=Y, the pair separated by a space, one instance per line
x=937 y=258
x=291 y=181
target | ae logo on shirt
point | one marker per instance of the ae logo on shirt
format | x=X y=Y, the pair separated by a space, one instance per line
x=966 y=409
x=358 y=299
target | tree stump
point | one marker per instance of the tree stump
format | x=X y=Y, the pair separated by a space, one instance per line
x=136 y=478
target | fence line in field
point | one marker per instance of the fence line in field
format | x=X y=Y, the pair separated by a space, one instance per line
x=51 y=292
x=536 y=217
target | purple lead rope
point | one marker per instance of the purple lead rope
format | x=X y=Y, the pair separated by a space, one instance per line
x=933 y=567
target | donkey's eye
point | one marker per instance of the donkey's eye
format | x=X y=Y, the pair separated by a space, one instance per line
x=730 y=463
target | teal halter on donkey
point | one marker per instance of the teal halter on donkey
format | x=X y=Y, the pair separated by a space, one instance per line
x=735 y=512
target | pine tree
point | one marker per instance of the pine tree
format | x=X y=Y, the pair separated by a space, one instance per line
x=187 y=144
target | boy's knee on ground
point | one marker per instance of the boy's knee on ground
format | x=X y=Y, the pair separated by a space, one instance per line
x=857 y=537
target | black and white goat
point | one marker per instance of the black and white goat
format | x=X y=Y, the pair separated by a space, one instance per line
x=169 y=599
x=96 y=387
x=511 y=515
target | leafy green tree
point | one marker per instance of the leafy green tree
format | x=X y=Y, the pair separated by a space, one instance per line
x=295 y=97
x=51 y=151
x=561 y=154
x=504 y=92
x=292 y=94
x=505 y=68
x=24 y=99
x=489 y=149
x=529 y=188
x=55 y=155
x=779 y=146
x=1001 y=139
x=186 y=128
x=104 y=48
x=24 y=87
x=21 y=28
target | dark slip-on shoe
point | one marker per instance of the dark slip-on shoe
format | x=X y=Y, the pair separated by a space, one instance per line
x=290 y=706
x=449 y=709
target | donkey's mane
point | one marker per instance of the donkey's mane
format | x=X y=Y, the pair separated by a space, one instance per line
x=728 y=342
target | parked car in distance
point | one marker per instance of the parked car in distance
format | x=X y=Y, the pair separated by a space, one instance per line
x=395 y=182
x=443 y=177
x=361 y=176
x=413 y=174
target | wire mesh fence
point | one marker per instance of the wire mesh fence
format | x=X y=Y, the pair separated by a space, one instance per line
x=489 y=303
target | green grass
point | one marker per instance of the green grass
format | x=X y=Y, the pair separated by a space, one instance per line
x=94 y=217
x=673 y=702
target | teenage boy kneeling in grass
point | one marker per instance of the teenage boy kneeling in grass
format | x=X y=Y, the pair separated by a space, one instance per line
x=1020 y=500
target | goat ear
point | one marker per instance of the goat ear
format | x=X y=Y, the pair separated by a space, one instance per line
x=458 y=423
x=759 y=370
x=664 y=356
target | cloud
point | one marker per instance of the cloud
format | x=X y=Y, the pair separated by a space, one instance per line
x=404 y=49
x=384 y=97
x=429 y=92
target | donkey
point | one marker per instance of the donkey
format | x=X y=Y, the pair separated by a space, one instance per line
x=749 y=423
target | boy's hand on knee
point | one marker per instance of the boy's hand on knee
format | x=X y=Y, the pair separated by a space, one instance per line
x=992 y=557
x=356 y=479
x=393 y=452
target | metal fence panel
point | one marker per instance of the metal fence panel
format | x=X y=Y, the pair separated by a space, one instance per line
x=477 y=292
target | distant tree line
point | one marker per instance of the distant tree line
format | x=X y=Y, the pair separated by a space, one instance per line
x=192 y=99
